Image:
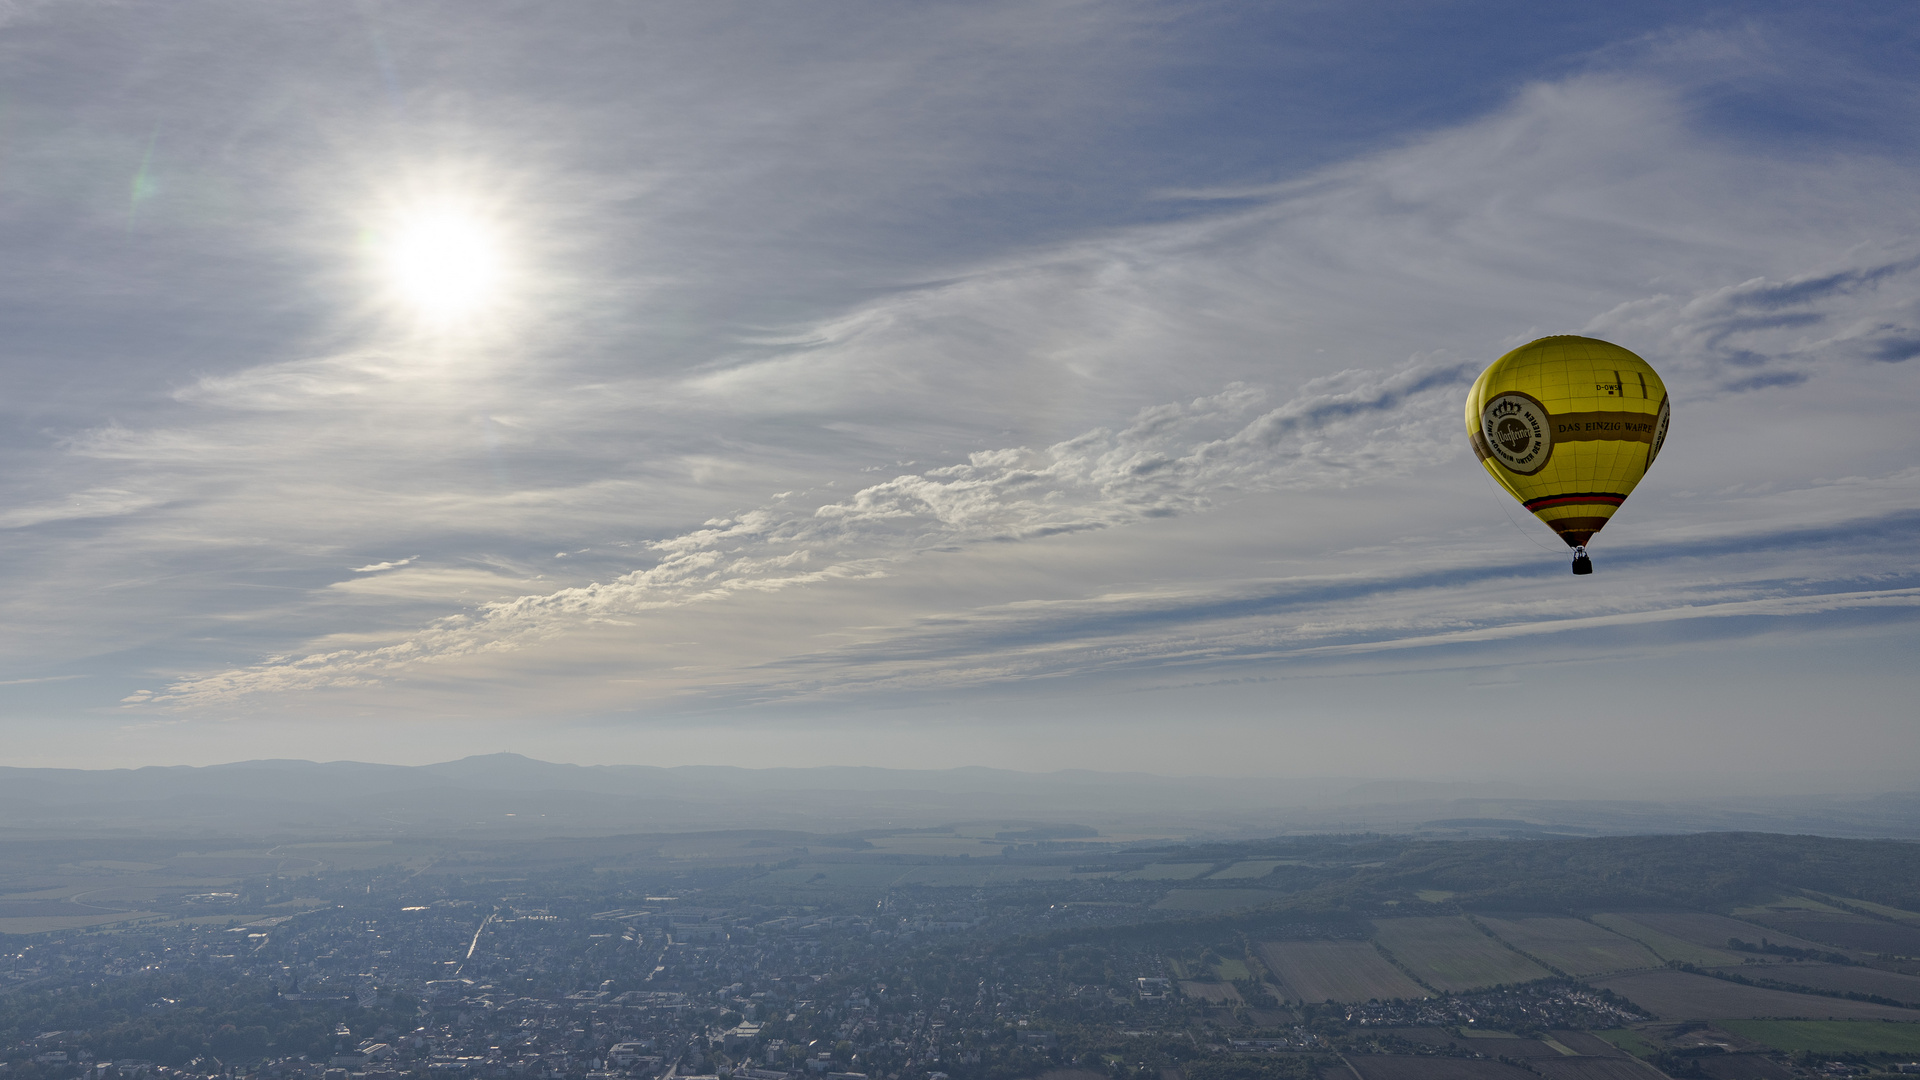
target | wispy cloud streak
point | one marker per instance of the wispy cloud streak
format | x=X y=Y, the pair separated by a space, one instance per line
x=1455 y=231
x=1094 y=391
x=1161 y=464
x=1851 y=568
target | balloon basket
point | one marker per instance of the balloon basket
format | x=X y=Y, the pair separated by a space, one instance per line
x=1581 y=564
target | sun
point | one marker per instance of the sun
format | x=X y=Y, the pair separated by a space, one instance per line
x=443 y=263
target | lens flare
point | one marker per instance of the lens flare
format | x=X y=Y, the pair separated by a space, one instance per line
x=444 y=264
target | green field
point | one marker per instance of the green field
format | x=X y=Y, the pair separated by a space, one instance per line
x=1215 y=899
x=1841 y=977
x=1178 y=871
x=1668 y=946
x=1213 y=993
x=870 y=875
x=1785 y=903
x=1678 y=995
x=972 y=873
x=1843 y=930
x=1336 y=971
x=1713 y=931
x=1451 y=953
x=982 y=872
x=1231 y=969
x=361 y=854
x=934 y=845
x=1896 y=914
x=1630 y=1041
x=43 y=924
x=1830 y=1036
x=1573 y=945
x=1250 y=868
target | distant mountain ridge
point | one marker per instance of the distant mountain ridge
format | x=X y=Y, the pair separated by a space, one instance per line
x=515 y=772
x=516 y=795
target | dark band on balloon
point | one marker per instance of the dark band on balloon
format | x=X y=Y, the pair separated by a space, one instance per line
x=1479 y=442
x=1548 y=502
x=1576 y=531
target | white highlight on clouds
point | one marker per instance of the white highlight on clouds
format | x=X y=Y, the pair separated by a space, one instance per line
x=1171 y=459
x=93 y=503
x=374 y=568
x=1695 y=570
x=1588 y=196
x=1768 y=606
x=1763 y=333
x=444 y=585
x=1468 y=230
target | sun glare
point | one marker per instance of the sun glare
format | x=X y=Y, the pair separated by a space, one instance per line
x=444 y=264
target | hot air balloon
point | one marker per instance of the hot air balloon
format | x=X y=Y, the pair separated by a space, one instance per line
x=1568 y=425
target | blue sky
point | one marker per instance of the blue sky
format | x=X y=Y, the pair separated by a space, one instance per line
x=1036 y=385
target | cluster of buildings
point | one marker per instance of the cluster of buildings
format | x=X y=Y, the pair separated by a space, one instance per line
x=1539 y=1005
x=548 y=989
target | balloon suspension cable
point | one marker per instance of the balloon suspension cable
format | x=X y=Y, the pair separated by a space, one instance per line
x=1505 y=499
x=1581 y=564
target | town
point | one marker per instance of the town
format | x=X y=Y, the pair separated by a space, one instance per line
x=833 y=965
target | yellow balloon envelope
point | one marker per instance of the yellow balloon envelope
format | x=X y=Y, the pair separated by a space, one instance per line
x=1568 y=425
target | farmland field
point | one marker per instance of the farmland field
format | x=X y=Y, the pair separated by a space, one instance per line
x=235 y=864
x=1218 y=993
x=1430 y=1036
x=1167 y=872
x=1627 y=1041
x=982 y=873
x=933 y=845
x=1587 y=1043
x=1664 y=945
x=1749 y=1066
x=1574 y=946
x=1844 y=930
x=880 y=875
x=23 y=909
x=363 y=854
x=1250 y=868
x=1336 y=971
x=44 y=924
x=1786 y=903
x=1451 y=953
x=842 y=874
x=1433 y=1068
x=1232 y=968
x=1712 y=932
x=1830 y=1036
x=1911 y=918
x=1841 y=977
x=1214 y=899
x=1514 y=1046
x=1677 y=995
x=1590 y=1068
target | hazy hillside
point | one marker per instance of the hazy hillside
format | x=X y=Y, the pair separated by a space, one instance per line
x=513 y=795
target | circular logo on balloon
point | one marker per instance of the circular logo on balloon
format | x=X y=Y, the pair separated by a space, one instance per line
x=1518 y=432
x=1659 y=432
